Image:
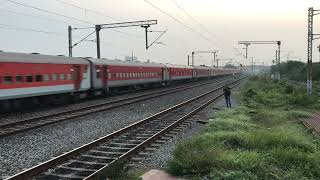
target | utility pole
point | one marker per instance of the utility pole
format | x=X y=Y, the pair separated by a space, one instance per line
x=144 y=24
x=192 y=58
x=188 y=60
x=311 y=37
x=146 y=31
x=98 y=28
x=247 y=43
x=252 y=65
x=70 y=40
x=214 y=52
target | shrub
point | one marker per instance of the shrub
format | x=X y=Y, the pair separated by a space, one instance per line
x=197 y=156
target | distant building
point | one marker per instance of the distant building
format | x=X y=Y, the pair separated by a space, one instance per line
x=130 y=58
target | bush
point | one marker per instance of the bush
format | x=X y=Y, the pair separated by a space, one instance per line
x=197 y=156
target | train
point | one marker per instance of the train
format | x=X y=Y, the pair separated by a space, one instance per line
x=27 y=79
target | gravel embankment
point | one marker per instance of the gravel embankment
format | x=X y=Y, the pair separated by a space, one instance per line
x=25 y=150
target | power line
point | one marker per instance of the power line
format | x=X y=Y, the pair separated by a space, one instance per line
x=100 y=14
x=65 y=16
x=88 y=10
x=50 y=12
x=5 y=26
x=39 y=17
x=180 y=22
x=201 y=25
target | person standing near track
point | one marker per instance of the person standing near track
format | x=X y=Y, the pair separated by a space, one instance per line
x=227 y=94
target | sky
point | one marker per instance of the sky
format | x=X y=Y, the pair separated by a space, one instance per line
x=192 y=25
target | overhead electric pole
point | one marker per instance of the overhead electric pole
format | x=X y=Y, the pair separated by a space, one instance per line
x=70 y=40
x=247 y=43
x=98 y=28
x=214 y=52
x=311 y=37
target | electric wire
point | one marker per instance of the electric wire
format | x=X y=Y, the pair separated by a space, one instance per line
x=39 y=17
x=50 y=12
x=68 y=17
x=88 y=10
x=180 y=22
x=204 y=27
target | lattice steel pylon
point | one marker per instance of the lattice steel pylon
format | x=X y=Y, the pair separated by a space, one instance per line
x=311 y=37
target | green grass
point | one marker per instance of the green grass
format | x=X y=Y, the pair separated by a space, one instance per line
x=261 y=139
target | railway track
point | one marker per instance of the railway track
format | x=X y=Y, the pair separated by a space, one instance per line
x=40 y=121
x=93 y=159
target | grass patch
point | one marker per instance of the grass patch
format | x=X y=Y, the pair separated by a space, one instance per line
x=262 y=139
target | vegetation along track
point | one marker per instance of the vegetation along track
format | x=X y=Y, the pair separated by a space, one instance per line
x=92 y=160
x=40 y=121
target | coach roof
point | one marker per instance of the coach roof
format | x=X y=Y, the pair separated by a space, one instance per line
x=39 y=58
x=104 y=61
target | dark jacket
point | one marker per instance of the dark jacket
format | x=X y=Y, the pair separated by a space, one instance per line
x=227 y=91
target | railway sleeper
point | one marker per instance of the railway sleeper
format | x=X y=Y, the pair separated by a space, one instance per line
x=129 y=141
x=113 y=149
x=98 y=157
x=88 y=162
x=58 y=176
x=115 y=144
x=64 y=173
x=105 y=153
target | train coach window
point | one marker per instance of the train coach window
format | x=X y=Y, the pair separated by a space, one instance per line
x=7 y=79
x=19 y=79
x=38 y=78
x=62 y=77
x=98 y=74
x=69 y=77
x=29 y=78
x=54 y=77
x=46 y=77
x=113 y=75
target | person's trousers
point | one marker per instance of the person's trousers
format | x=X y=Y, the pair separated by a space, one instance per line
x=228 y=101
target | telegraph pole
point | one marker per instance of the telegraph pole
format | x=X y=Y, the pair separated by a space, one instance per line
x=188 y=60
x=70 y=40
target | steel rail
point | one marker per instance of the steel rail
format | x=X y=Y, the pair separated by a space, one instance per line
x=41 y=168
x=41 y=121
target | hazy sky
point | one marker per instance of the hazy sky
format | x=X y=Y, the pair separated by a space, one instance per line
x=222 y=23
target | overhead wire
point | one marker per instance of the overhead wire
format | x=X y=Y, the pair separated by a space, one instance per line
x=5 y=26
x=203 y=26
x=100 y=14
x=88 y=10
x=39 y=17
x=180 y=22
x=50 y=12
x=65 y=16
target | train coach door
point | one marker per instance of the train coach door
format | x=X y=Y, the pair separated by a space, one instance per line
x=194 y=73
x=77 y=77
x=105 y=77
